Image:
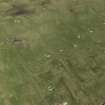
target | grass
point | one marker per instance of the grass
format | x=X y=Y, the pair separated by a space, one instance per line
x=52 y=52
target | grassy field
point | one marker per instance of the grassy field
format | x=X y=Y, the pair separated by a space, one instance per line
x=52 y=52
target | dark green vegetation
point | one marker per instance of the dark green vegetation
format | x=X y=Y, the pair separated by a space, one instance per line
x=52 y=52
